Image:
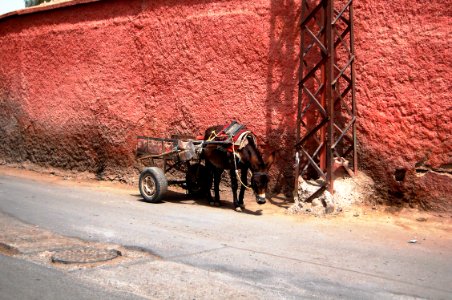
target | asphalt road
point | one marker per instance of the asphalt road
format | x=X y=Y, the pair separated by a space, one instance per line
x=207 y=252
x=24 y=280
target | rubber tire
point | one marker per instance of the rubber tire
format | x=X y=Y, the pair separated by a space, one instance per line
x=160 y=184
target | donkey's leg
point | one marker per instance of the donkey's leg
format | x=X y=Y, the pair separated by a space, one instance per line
x=210 y=174
x=234 y=189
x=217 y=178
x=244 y=179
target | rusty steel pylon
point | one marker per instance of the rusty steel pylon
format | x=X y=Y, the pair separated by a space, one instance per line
x=326 y=119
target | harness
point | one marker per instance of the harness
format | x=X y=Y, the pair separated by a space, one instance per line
x=238 y=135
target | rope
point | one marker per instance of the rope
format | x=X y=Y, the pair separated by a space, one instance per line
x=212 y=136
x=237 y=171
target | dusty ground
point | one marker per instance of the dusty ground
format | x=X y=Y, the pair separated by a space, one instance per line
x=359 y=213
x=186 y=255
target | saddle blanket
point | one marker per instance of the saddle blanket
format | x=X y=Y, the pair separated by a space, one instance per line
x=238 y=134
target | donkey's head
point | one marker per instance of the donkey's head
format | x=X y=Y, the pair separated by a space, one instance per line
x=259 y=178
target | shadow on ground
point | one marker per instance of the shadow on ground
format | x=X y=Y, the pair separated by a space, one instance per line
x=275 y=203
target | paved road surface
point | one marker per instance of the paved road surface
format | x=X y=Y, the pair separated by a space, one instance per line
x=210 y=253
x=24 y=280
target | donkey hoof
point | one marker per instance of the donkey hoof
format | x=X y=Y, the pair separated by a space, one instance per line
x=211 y=203
x=238 y=209
x=218 y=204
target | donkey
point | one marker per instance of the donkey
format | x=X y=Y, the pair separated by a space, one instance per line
x=219 y=157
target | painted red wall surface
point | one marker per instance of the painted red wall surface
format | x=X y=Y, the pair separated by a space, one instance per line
x=404 y=72
x=77 y=84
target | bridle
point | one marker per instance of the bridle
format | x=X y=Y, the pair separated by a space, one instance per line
x=249 y=170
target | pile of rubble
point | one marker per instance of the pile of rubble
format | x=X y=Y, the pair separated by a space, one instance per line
x=348 y=191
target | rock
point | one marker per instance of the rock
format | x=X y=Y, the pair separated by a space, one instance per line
x=318 y=210
x=295 y=208
x=316 y=202
x=329 y=209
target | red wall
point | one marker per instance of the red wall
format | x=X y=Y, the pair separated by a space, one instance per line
x=77 y=84
x=404 y=72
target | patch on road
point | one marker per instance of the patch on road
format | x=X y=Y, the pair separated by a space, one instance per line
x=35 y=244
x=85 y=255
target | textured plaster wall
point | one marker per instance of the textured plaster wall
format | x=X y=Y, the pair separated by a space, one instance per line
x=404 y=74
x=78 y=84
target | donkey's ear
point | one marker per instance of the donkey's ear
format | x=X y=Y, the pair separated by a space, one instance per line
x=270 y=160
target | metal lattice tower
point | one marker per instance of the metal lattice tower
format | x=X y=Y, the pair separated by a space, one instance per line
x=326 y=119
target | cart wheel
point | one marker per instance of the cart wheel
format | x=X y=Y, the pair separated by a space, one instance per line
x=153 y=184
x=196 y=179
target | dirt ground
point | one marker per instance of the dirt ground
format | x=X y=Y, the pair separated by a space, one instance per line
x=421 y=223
x=366 y=226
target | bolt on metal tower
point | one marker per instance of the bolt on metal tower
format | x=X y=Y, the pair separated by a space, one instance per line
x=326 y=119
